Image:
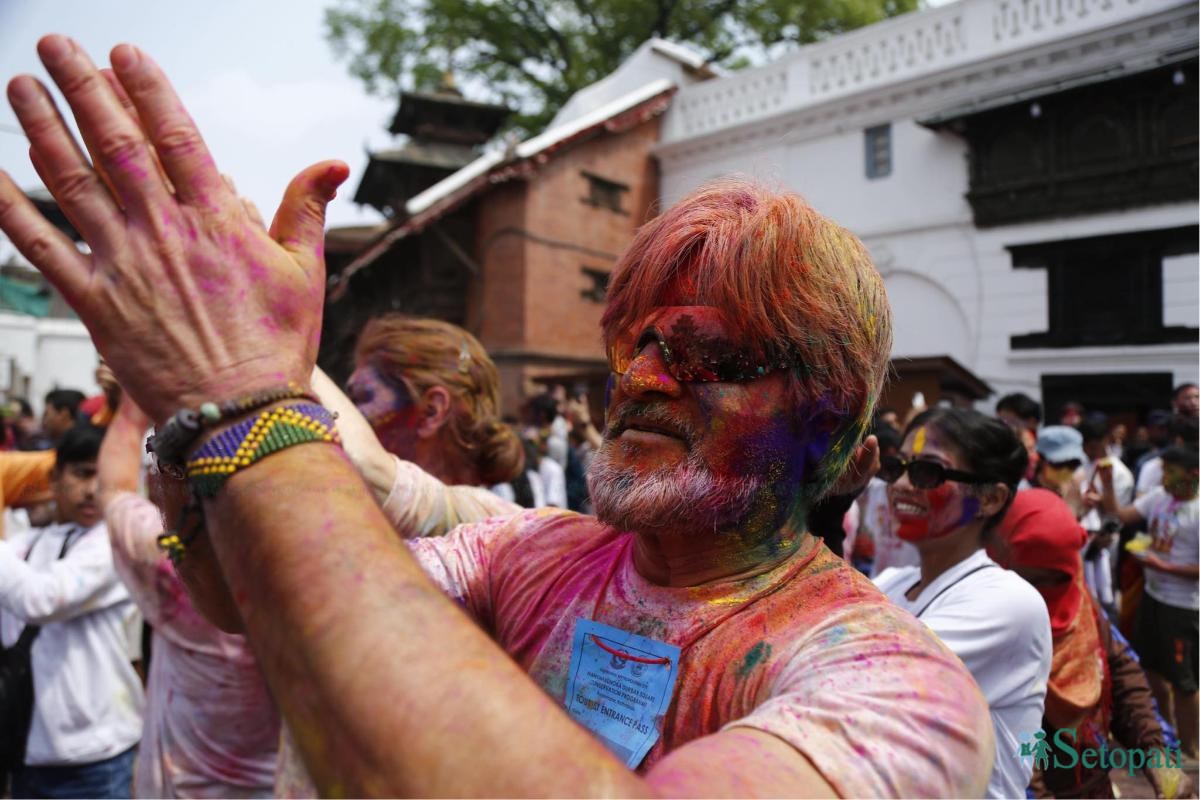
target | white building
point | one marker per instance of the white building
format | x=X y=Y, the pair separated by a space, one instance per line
x=39 y=354
x=1023 y=171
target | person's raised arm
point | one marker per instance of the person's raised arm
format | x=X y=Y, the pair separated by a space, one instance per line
x=119 y=465
x=384 y=680
x=134 y=522
x=1128 y=515
x=374 y=463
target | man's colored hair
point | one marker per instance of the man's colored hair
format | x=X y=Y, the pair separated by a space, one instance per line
x=787 y=279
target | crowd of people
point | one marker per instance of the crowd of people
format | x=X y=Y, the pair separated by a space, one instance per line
x=1092 y=526
x=748 y=580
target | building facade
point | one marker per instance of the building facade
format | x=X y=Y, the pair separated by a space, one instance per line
x=1024 y=173
x=43 y=345
x=517 y=245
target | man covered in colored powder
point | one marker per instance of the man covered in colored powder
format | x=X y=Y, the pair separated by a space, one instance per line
x=700 y=639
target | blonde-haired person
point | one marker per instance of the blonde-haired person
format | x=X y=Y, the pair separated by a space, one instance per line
x=420 y=419
x=431 y=397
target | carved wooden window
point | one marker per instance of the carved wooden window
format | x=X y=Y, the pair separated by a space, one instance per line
x=603 y=193
x=1114 y=145
x=1106 y=290
x=878 y=150
x=599 y=288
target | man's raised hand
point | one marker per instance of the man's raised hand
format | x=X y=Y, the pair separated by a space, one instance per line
x=185 y=295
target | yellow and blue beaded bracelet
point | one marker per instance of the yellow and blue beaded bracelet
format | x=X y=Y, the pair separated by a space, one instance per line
x=253 y=439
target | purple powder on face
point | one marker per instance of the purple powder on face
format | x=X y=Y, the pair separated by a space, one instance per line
x=970 y=508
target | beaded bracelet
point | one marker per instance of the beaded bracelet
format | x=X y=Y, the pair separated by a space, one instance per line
x=255 y=438
x=176 y=541
x=171 y=442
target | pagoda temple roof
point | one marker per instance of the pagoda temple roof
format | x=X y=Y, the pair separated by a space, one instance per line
x=447 y=117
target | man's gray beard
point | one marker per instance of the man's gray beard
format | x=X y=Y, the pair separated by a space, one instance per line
x=681 y=496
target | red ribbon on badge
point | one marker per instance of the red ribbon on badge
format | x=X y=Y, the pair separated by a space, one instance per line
x=628 y=656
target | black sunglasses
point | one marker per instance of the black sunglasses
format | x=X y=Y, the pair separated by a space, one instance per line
x=923 y=473
x=696 y=347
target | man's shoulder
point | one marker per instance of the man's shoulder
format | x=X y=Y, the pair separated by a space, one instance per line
x=862 y=622
x=558 y=529
x=837 y=597
x=548 y=530
x=523 y=548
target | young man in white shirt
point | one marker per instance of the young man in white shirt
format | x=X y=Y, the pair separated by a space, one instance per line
x=1100 y=553
x=87 y=708
x=1165 y=634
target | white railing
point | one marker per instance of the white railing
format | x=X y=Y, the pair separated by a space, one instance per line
x=888 y=52
x=722 y=102
x=893 y=50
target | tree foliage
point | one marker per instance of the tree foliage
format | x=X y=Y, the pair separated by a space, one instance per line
x=534 y=54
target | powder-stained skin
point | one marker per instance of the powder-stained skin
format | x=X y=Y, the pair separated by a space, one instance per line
x=389 y=408
x=781 y=652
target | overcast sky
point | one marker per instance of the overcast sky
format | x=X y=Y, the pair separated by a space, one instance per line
x=258 y=77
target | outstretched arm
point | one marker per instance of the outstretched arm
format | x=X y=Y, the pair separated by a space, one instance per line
x=384 y=680
x=134 y=525
x=375 y=464
x=119 y=466
x=1128 y=515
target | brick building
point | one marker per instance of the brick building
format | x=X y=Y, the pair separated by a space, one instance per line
x=517 y=245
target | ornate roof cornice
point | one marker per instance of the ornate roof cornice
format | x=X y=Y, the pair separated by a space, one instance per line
x=922 y=63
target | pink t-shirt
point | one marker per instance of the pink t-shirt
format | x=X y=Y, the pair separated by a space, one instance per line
x=211 y=729
x=810 y=651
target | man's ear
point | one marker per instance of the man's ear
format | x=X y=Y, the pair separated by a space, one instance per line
x=863 y=464
x=435 y=411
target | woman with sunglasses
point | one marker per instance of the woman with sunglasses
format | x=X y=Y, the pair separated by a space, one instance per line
x=950 y=485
